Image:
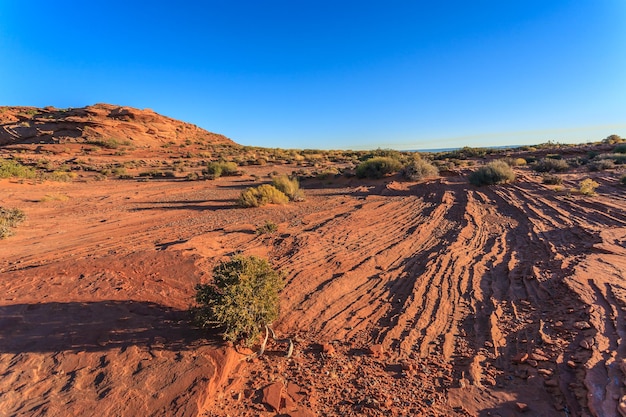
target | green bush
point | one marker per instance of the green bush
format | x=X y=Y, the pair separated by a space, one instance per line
x=418 y=169
x=601 y=165
x=620 y=149
x=588 y=187
x=551 y=165
x=215 y=170
x=378 y=167
x=496 y=172
x=261 y=195
x=243 y=298
x=289 y=186
x=10 y=168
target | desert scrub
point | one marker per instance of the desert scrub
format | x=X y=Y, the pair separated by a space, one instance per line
x=588 y=187
x=243 y=298
x=289 y=186
x=215 y=170
x=378 y=167
x=9 y=219
x=10 y=168
x=418 y=169
x=261 y=195
x=267 y=228
x=496 y=172
x=623 y=180
x=620 y=149
x=550 y=179
x=551 y=165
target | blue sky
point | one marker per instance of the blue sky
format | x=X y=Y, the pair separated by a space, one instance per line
x=332 y=74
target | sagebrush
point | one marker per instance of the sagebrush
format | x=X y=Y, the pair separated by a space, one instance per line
x=243 y=298
x=496 y=172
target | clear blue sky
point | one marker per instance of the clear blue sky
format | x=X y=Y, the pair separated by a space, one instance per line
x=332 y=74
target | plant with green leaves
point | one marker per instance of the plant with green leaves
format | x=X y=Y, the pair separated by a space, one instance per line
x=243 y=298
x=418 y=169
x=378 y=167
x=496 y=172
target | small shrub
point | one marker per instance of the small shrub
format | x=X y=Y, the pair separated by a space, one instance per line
x=10 y=168
x=267 y=228
x=289 y=186
x=515 y=162
x=261 y=195
x=496 y=172
x=620 y=149
x=551 y=165
x=601 y=165
x=9 y=219
x=588 y=187
x=215 y=170
x=419 y=169
x=60 y=176
x=623 y=180
x=378 y=167
x=552 y=179
x=243 y=298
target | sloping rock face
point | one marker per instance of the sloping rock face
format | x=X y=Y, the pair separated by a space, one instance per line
x=103 y=124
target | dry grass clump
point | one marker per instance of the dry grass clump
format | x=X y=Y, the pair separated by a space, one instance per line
x=496 y=172
x=267 y=228
x=378 y=167
x=550 y=179
x=551 y=165
x=262 y=195
x=9 y=219
x=588 y=187
x=418 y=169
x=289 y=186
x=215 y=170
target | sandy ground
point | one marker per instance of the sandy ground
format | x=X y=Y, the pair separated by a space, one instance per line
x=403 y=299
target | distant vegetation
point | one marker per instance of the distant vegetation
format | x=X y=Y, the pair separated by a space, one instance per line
x=267 y=228
x=378 y=167
x=11 y=168
x=496 y=172
x=243 y=298
x=418 y=169
x=215 y=170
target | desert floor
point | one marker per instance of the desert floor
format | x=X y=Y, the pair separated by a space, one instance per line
x=436 y=298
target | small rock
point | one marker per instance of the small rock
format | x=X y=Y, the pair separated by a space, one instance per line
x=328 y=349
x=272 y=395
x=558 y=323
x=538 y=357
x=520 y=357
x=586 y=344
x=532 y=363
x=582 y=325
x=545 y=372
x=523 y=407
x=571 y=364
x=377 y=350
x=551 y=383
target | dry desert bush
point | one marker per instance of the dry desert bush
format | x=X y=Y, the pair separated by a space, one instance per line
x=262 y=195
x=496 y=172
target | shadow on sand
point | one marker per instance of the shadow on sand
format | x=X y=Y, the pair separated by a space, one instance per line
x=97 y=326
